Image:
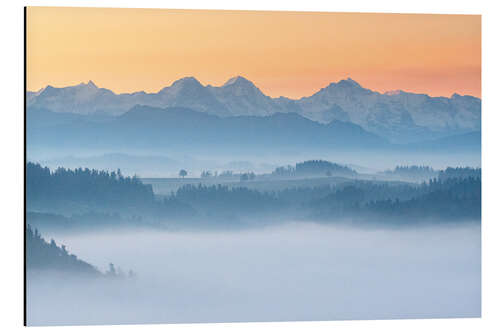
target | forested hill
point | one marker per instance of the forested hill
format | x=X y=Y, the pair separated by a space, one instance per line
x=41 y=255
x=94 y=198
x=85 y=191
x=89 y=187
x=314 y=168
x=451 y=199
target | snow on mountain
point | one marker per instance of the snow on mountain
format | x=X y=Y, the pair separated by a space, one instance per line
x=242 y=97
x=399 y=116
x=189 y=93
x=82 y=98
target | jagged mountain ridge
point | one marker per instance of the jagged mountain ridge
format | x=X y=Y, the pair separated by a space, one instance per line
x=398 y=116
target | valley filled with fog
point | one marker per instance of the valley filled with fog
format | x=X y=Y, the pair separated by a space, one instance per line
x=315 y=240
x=295 y=271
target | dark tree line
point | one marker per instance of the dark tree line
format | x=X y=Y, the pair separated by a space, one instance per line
x=42 y=255
x=219 y=198
x=449 y=199
x=371 y=191
x=460 y=173
x=48 y=256
x=452 y=198
x=455 y=194
x=314 y=168
x=413 y=172
x=92 y=192
x=85 y=185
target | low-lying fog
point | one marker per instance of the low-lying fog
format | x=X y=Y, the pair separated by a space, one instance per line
x=152 y=164
x=284 y=273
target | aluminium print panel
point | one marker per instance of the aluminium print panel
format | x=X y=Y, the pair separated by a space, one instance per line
x=196 y=166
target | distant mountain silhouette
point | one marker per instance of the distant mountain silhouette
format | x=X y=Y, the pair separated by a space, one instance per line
x=463 y=142
x=398 y=116
x=149 y=127
x=177 y=129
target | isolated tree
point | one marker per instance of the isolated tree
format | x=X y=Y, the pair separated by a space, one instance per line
x=183 y=173
x=111 y=272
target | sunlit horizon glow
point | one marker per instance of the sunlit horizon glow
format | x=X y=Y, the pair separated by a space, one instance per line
x=292 y=54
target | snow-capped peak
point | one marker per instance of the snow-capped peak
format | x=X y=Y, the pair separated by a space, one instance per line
x=350 y=82
x=188 y=80
x=238 y=80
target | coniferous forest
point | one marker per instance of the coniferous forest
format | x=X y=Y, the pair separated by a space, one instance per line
x=43 y=255
x=103 y=197
x=219 y=221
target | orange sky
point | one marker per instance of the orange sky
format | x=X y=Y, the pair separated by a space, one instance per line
x=284 y=53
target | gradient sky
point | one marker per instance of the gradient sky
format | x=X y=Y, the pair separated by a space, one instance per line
x=291 y=54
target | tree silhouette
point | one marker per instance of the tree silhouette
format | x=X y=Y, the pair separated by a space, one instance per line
x=183 y=173
x=85 y=185
x=41 y=255
x=111 y=272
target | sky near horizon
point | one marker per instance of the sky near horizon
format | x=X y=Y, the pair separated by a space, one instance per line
x=291 y=54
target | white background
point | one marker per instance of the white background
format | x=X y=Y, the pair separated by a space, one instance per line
x=11 y=165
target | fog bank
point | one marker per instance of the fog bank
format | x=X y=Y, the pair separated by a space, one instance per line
x=282 y=273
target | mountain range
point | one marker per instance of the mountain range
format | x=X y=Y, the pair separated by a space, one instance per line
x=398 y=116
x=183 y=129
